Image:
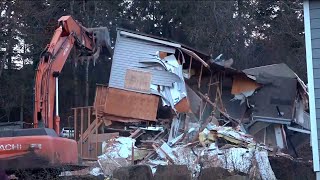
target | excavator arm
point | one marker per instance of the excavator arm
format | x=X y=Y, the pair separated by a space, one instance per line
x=69 y=33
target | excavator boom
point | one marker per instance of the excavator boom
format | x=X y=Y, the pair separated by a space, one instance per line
x=40 y=147
x=69 y=33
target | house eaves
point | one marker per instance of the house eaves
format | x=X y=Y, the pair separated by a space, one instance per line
x=269 y=120
x=137 y=36
x=276 y=70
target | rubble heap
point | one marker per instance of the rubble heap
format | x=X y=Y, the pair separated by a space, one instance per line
x=216 y=146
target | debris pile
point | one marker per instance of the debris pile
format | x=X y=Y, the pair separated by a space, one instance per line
x=215 y=147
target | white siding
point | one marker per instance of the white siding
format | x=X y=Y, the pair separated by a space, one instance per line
x=128 y=54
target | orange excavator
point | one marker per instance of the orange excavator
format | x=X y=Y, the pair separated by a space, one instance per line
x=40 y=147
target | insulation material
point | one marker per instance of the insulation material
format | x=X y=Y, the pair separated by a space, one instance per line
x=120 y=147
x=116 y=153
x=301 y=117
x=195 y=100
x=137 y=80
x=177 y=92
x=242 y=96
x=165 y=151
x=174 y=128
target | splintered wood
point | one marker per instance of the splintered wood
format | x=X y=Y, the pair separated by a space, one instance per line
x=138 y=80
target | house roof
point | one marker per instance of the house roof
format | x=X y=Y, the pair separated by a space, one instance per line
x=276 y=70
x=202 y=54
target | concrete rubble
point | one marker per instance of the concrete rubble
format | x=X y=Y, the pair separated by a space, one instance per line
x=173 y=105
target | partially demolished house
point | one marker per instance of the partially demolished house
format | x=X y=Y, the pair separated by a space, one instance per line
x=164 y=98
x=147 y=76
x=270 y=101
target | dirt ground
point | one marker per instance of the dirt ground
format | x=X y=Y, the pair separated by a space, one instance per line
x=285 y=168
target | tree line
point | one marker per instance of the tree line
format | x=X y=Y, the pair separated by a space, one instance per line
x=252 y=32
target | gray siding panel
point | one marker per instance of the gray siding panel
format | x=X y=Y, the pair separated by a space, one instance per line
x=315 y=34
x=318 y=112
x=314 y=5
x=316 y=53
x=314 y=13
x=316 y=73
x=318 y=102
x=317 y=83
x=315 y=23
x=316 y=63
x=315 y=43
x=128 y=52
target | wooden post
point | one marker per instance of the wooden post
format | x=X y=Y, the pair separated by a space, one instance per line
x=190 y=66
x=75 y=123
x=200 y=76
x=81 y=141
x=96 y=128
x=132 y=154
x=89 y=116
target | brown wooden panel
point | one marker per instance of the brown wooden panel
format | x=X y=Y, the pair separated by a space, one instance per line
x=242 y=84
x=102 y=137
x=131 y=104
x=183 y=106
x=137 y=80
x=100 y=98
x=108 y=117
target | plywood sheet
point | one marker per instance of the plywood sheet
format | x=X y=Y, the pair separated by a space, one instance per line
x=137 y=80
x=183 y=106
x=131 y=104
x=242 y=83
x=100 y=98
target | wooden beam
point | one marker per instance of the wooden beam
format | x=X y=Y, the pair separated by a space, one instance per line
x=200 y=76
x=75 y=124
x=89 y=116
x=84 y=107
x=81 y=131
x=96 y=131
x=190 y=64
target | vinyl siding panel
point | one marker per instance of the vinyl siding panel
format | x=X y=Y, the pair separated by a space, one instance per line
x=315 y=52
x=316 y=73
x=316 y=83
x=315 y=44
x=315 y=13
x=315 y=23
x=314 y=4
x=316 y=63
x=128 y=54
